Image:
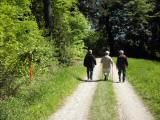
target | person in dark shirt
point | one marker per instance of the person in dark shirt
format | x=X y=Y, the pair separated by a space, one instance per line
x=122 y=63
x=89 y=63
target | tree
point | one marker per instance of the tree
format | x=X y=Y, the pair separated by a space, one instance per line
x=19 y=38
x=125 y=25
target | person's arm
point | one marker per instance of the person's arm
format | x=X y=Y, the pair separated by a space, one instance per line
x=117 y=62
x=112 y=66
x=111 y=61
x=84 y=62
x=102 y=60
x=126 y=61
x=95 y=61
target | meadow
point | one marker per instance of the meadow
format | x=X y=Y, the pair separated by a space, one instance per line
x=144 y=75
x=43 y=95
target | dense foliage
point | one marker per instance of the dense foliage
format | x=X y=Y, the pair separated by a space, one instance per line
x=35 y=33
x=35 y=37
x=65 y=25
x=132 y=25
x=19 y=38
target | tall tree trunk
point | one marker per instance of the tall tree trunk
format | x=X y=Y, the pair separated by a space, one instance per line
x=49 y=18
x=110 y=36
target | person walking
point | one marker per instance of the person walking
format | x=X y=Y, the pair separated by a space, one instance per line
x=107 y=62
x=89 y=63
x=122 y=63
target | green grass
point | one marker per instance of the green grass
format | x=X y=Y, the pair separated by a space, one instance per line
x=144 y=75
x=42 y=96
x=104 y=103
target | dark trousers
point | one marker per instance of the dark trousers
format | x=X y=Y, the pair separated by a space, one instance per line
x=120 y=71
x=90 y=73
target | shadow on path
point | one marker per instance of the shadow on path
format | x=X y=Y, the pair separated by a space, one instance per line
x=100 y=80
x=80 y=79
x=92 y=80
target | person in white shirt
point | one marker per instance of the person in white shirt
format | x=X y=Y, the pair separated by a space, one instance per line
x=107 y=63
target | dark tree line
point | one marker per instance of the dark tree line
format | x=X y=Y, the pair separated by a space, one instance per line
x=132 y=25
x=43 y=12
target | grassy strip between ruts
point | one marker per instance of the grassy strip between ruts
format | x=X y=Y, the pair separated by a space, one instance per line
x=104 y=102
x=144 y=75
x=38 y=102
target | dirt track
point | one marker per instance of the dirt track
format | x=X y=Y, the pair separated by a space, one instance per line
x=130 y=106
x=77 y=105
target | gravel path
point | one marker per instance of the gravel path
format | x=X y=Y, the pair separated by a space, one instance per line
x=130 y=106
x=78 y=104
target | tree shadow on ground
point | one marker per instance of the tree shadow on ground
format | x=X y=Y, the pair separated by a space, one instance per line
x=84 y=80
x=98 y=80
x=92 y=80
x=116 y=82
x=112 y=81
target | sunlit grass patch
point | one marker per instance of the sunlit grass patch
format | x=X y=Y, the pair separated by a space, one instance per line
x=42 y=97
x=104 y=103
x=145 y=77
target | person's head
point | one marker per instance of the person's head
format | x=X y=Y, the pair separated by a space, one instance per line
x=121 y=52
x=90 y=51
x=107 y=53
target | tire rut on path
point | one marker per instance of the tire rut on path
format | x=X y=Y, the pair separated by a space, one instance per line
x=77 y=106
x=130 y=106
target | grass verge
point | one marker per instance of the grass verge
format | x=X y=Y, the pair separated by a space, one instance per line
x=144 y=75
x=104 y=103
x=42 y=96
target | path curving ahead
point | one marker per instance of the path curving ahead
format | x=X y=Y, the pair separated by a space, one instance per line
x=77 y=105
x=130 y=106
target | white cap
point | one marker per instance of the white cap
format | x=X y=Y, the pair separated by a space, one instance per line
x=107 y=52
x=121 y=52
x=90 y=51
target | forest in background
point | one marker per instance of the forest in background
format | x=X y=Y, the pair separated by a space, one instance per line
x=132 y=25
x=38 y=34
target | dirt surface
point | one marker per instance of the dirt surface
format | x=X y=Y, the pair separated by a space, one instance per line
x=77 y=105
x=130 y=106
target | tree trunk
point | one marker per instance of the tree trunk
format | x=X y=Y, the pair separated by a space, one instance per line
x=49 y=19
x=110 y=36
